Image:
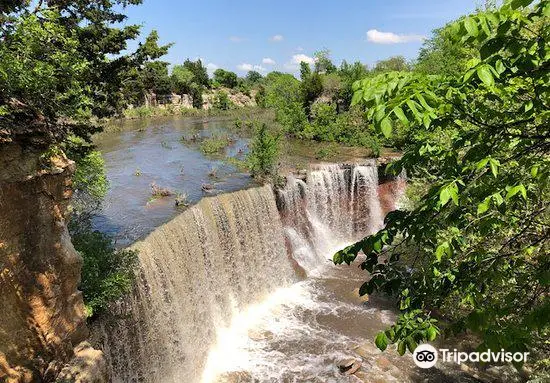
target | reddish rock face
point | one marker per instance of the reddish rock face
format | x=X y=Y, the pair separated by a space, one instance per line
x=42 y=313
x=389 y=193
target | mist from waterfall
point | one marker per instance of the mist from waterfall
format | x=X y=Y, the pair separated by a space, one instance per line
x=215 y=267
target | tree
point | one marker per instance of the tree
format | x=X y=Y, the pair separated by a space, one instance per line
x=182 y=79
x=395 y=63
x=476 y=243
x=253 y=77
x=148 y=75
x=225 y=78
x=443 y=55
x=264 y=150
x=305 y=70
x=283 y=95
x=349 y=73
x=222 y=101
x=62 y=67
x=323 y=64
x=199 y=71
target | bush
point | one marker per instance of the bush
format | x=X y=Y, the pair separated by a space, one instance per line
x=107 y=273
x=214 y=144
x=264 y=152
x=222 y=101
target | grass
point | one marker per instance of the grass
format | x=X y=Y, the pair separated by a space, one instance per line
x=214 y=144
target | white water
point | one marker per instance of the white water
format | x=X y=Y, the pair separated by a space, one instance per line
x=218 y=292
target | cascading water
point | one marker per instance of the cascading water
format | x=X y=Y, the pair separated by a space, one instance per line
x=334 y=206
x=219 y=292
x=196 y=272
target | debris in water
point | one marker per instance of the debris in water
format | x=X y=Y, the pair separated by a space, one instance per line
x=207 y=188
x=158 y=191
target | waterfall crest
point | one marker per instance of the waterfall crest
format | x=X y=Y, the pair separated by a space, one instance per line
x=206 y=265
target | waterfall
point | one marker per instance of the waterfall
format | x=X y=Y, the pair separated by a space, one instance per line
x=333 y=207
x=203 y=268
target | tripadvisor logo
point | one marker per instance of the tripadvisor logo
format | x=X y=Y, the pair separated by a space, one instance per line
x=426 y=356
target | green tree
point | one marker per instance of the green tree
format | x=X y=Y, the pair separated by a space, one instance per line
x=443 y=55
x=475 y=246
x=323 y=63
x=63 y=66
x=222 y=101
x=395 y=63
x=147 y=75
x=253 y=77
x=264 y=152
x=225 y=78
x=182 y=79
x=283 y=94
x=349 y=74
x=199 y=71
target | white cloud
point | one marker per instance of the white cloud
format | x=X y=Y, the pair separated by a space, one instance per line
x=236 y=39
x=259 y=68
x=245 y=67
x=268 y=61
x=277 y=38
x=210 y=67
x=299 y=49
x=297 y=59
x=378 y=37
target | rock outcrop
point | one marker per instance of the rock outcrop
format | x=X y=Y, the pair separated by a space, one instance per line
x=42 y=313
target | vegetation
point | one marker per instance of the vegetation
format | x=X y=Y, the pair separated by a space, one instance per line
x=263 y=155
x=107 y=273
x=214 y=144
x=222 y=101
x=474 y=248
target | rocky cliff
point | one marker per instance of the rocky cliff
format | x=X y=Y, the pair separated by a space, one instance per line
x=42 y=313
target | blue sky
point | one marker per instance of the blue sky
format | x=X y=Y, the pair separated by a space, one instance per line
x=276 y=35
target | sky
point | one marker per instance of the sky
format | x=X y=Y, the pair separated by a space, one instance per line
x=242 y=35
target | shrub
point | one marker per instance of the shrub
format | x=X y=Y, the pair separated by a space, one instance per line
x=222 y=101
x=264 y=151
x=214 y=144
x=107 y=273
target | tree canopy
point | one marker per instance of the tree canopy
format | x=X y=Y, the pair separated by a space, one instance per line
x=475 y=246
x=61 y=63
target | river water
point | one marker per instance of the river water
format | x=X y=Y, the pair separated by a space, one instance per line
x=240 y=287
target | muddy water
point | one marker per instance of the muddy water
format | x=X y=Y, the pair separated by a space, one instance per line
x=141 y=152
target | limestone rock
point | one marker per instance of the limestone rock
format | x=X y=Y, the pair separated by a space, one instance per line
x=87 y=366
x=42 y=310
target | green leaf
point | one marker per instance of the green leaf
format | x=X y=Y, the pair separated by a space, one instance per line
x=485 y=75
x=385 y=126
x=520 y=3
x=444 y=196
x=494 y=164
x=431 y=333
x=401 y=348
x=357 y=97
x=471 y=26
x=381 y=341
x=401 y=116
x=515 y=190
x=484 y=206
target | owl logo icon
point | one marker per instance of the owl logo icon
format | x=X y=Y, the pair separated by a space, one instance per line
x=425 y=356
